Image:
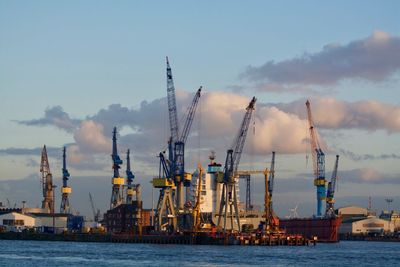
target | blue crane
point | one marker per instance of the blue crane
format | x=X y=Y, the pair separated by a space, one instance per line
x=129 y=176
x=65 y=190
x=318 y=162
x=176 y=144
x=173 y=115
x=233 y=155
x=330 y=194
x=117 y=181
x=181 y=178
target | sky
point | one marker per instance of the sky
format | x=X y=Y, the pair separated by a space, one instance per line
x=72 y=70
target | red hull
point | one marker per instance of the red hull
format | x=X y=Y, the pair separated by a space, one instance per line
x=325 y=229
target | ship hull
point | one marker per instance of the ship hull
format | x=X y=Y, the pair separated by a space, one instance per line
x=325 y=229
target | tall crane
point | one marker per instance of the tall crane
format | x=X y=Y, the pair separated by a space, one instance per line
x=183 y=179
x=177 y=141
x=65 y=190
x=129 y=176
x=330 y=194
x=318 y=162
x=229 y=194
x=47 y=182
x=96 y=214
x=117 y=181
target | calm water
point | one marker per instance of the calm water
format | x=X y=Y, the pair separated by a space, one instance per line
x=40 y=253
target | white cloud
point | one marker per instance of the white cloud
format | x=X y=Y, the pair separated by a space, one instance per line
x=90 y=136
x=374 y=58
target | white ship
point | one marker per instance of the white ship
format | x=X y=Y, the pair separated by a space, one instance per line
x=210 y=198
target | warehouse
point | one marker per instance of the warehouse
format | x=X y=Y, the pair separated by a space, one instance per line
x=370 y=225
x=16 y=222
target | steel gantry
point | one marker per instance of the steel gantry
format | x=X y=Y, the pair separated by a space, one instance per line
x=229 y=204
x=65 y=190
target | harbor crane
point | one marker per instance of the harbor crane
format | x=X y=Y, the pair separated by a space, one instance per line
x=96 y=213
x=129 y=176
x=117 y=181
x=172 y=177
x=318 y=162
x=177 y=141
x=330 y=194
x=47 y=182
x=65 y=189
x=229 y=194
x=182 y=178
x=196 y=209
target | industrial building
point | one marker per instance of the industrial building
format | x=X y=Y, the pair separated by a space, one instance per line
x=125 y=218
x=42 y=222
x=16 y=221
x=370 y=225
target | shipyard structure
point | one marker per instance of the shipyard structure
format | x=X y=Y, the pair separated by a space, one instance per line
x=200 y=207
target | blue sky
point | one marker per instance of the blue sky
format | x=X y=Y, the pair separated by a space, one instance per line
x=86 y=55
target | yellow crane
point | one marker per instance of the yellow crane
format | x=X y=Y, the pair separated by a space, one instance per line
x=196 y=208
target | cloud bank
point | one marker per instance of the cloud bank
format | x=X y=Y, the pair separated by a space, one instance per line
x=280 y=127
x=374 y=58
x=54 y=116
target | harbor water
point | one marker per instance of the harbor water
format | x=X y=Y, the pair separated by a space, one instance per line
x=47 y=253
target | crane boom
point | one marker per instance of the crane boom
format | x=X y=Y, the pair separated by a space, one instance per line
x=238 y=143
x=229 y=194
x=190 y=116
x=172 y=111
x=179 y=148
x=95 y=214
x=318 y=162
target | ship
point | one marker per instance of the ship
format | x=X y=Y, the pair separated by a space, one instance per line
x=322 y=229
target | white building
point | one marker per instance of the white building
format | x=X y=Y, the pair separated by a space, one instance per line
x=15 y=221
x=370 y=225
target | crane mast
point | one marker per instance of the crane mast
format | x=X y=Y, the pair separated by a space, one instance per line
x=330 y=194
x=47 y=182
x=318 y=162
x=65 y=190
x=229 y=194
x=129 y=176
x=117 y=181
